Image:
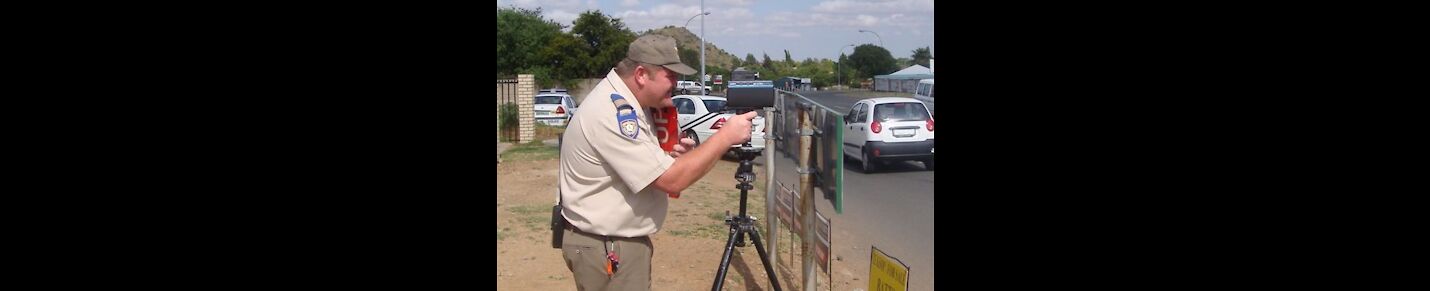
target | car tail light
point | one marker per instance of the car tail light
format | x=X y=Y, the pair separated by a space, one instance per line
x=930 y=124
x=560 y=110
x=718 y=123
x=875 y=127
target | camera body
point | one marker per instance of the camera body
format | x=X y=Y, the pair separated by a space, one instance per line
x=749 y=95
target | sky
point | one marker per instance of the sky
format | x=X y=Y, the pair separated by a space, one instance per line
x=807 y=28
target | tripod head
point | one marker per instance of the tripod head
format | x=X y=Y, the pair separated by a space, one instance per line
x=745 y=174
x=746 y=153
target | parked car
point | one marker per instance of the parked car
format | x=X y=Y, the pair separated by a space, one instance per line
x=690 y=87
x=701 y=116
x=886 y=129
x=553 y=107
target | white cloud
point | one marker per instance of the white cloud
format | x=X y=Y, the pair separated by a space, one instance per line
x=890 y=6
x=561 y=16
x=629 y=3
x=734 y=2
x=551 y=5
x=866 y=20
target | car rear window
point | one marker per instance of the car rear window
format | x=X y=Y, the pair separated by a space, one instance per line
x=901 y=112
x=548 y=99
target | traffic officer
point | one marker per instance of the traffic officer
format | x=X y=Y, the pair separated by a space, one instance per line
x=614 y=176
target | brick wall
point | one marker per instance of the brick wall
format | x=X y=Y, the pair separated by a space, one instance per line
x=525 y=95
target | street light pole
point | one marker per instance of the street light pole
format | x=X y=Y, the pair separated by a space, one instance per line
x=702 y=48
x=701 y=78
x=876 y=34
x=839 y=80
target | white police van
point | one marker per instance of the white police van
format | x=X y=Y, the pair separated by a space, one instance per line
x=924 y=91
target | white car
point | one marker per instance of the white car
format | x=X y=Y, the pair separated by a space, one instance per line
x=924 y=91
x=701 y=116
x=553 y=107
x=885 y=129
x=690 y=87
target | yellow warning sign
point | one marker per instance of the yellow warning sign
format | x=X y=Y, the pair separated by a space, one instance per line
x=886 y=273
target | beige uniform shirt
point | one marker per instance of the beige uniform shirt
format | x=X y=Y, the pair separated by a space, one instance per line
x=608 y=163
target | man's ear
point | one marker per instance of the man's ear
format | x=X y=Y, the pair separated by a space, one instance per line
x=641 y=74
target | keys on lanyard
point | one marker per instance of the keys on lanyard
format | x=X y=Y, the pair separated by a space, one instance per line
x=613 y=261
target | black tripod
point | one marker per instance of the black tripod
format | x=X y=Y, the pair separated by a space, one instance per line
x=739 y=225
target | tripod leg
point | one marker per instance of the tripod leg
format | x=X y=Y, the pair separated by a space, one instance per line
x=725 y=260
x=764 y=257
x=740 y=239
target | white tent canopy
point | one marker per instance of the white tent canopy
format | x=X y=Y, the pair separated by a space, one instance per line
x=902 y=81
x=913 y=70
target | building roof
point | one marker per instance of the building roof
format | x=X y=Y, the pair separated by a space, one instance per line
x=913 y=70
x=904 y=77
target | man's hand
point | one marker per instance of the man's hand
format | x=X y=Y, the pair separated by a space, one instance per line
x=684 y=146
x=736 y=129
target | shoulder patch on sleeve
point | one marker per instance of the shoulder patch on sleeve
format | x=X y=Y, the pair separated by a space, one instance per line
x=625 y=116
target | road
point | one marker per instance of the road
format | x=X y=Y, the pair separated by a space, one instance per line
x=841 y=101
x=892 y=210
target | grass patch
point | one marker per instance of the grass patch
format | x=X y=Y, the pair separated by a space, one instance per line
x=500 y=235
x=713 y=231
x=532 y=151
x=710 y=231
x=545 y=132
x=537 y=222
x=717 y=216
x=528 y=209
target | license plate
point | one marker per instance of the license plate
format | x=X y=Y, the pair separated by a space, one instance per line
x=903 y=132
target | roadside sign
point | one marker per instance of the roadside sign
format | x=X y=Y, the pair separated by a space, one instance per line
x=717 y=80
x=887 y=273
x=821 y=250
x=797 y=224
x=783 y=197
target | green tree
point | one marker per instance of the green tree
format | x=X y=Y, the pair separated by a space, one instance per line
x=563 y=61
x=903 y=62
x=606 y=37
x=520 y=35
x=871 y=60
x=824 y=73
x=788 y=60
x=691 y=57
x=750 y=60
x=768 y=65
x=921 y=56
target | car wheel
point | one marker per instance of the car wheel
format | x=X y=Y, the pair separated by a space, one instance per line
x=691 y=134
x=928 y=164
x=869 y=165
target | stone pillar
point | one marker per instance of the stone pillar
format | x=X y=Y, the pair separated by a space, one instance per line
x=525 y=95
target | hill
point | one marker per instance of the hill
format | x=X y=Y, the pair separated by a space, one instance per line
x=714 y=57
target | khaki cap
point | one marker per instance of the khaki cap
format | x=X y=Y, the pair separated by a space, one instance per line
x=658 y=50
